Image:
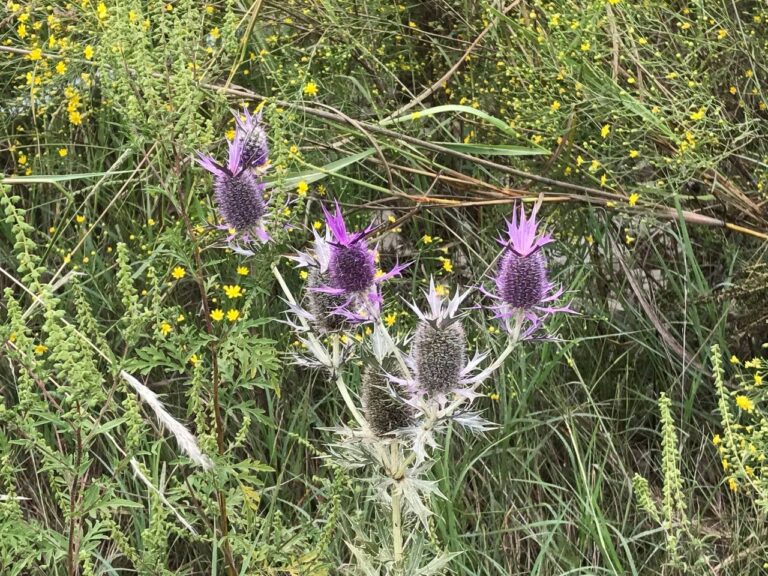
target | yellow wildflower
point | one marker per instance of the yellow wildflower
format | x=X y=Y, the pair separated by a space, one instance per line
x=605 y=130
x=165 y=328
x=233 y=291
x=555 y=106
x=494 y=396
x=585 y=46
x=303 y=274
x=698 y=115
x=178 y=273
x=101 y=10
x=390 y=319
x=758 y=379
x=233 y=315
x=88 y=52
x=35 y=54
x=194 y=359
x=242 y=270
x=716 y=439
x=41 y=349
x=301 y=188
x=63 y=152
x=310 y=89
x=633 y=198
x=217 y=315
x=634 y=153
x=427 y=239
x=744 y=403
x=317 y=225
x=447 y=265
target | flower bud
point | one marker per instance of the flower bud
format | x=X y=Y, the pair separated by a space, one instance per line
x=384 y=412
x=439 y=354
x=323 y=306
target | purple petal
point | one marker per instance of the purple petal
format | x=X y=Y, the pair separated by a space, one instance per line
x=235 y=156
x=392 y=273
x=210 y=164
x=335 y=223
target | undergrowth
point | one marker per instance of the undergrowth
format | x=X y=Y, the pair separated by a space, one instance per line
x=633 y=442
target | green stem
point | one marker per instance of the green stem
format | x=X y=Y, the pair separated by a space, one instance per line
x=342 y=386
x=335 y=360
x=397 y=522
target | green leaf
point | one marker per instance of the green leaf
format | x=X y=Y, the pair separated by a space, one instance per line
x=53 y=179
x=500 y=124
x=310 y=176
x=493 y=149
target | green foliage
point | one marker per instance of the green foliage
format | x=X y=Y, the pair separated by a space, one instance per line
x=642 y=125
x=743 y=441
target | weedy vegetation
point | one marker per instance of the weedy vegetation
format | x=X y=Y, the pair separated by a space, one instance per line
x=378 y=288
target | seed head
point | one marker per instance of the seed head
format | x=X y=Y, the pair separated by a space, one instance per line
x=323 y=306
x=522 y=280
x=439 y=355
x=384 y=412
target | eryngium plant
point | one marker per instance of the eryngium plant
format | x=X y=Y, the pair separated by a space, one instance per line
x=523 y=290
x=239 y=194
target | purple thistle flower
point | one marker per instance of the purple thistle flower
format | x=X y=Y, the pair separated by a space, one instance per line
x=239 y=195
x=351 y=267
x=253 y=137
x=523 y=289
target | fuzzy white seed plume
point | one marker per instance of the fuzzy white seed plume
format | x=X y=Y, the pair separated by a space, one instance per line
x=184 y=438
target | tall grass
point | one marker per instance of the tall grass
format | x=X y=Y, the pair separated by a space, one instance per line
x=641 y=125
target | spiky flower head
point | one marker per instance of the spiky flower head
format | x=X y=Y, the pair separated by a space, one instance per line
x=323 y=306
x=384 y=410
x=351 y=268
x=439 y=356
x=250 y=131
x=522 y=287
x=438 y=351
x=239 y=195
x=352 y=265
